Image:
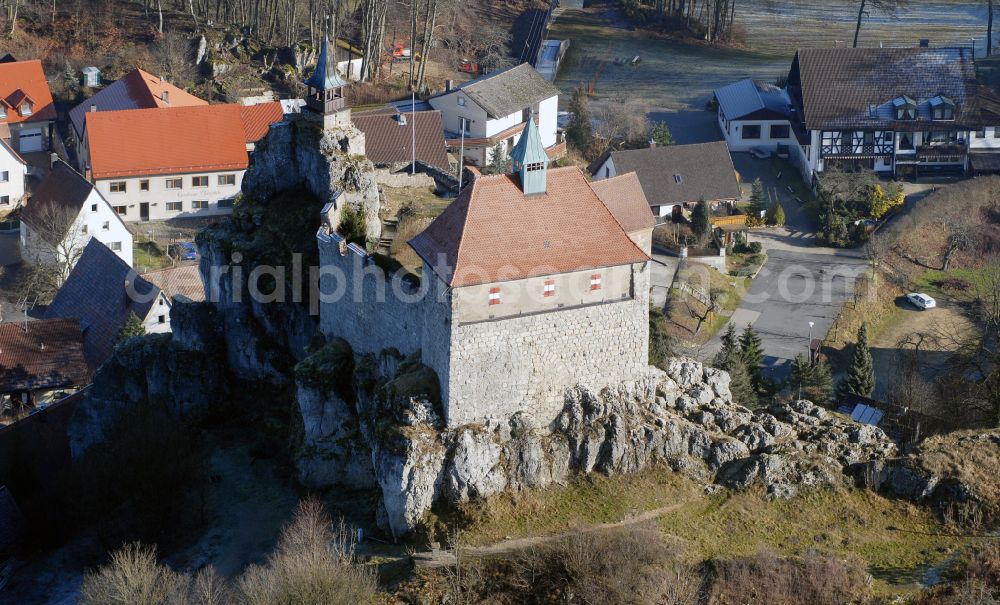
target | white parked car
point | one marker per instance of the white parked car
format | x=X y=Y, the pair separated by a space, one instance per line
x=921 y=301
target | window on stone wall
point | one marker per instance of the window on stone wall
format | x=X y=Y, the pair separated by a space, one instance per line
x=780 y=131
x=494 y=296
x=595 y=281
x=751 y=132
x=549 y=289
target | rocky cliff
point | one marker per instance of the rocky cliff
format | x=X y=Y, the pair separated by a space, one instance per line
x=387 y=429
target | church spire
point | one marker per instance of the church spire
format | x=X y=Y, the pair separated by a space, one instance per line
x=530 y=160
x=326 y=88
x=326 y=77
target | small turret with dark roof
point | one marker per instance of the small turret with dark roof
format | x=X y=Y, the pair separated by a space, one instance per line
x=530 y=161
x=326 y=88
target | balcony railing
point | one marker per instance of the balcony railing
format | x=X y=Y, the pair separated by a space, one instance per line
x=949 y=148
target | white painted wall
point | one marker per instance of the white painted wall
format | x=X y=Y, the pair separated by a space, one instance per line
x=157 y=196
x=733 y=132
x=157 y=321
x=96 y=220
x=989 y=142
x=482 y=126
x=12 y=175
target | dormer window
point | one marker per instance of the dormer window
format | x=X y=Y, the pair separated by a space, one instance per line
x=942 y=108
x=26 y=108
x=3 y=111
x=905 y=108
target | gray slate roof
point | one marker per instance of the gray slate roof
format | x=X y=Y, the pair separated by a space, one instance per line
x=510 y=90
x=96 y=293
x=838 y=87
x=753 y=98
x=675 y=174
x=63 y=190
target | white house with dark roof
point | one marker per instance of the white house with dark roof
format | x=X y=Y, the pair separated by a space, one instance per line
x=493 y=109
x=905 y=112
x=102 y=291
x=63 y=215
x=754 y=114
x=675 y=176
x=531 y=286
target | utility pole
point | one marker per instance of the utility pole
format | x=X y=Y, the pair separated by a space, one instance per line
x=461 y=160
x=413 y=132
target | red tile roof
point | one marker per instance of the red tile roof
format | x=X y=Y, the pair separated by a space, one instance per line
x=25 y=79
x=169 y=140
x=136 y=90
x=258 y=118
x=44 y=354
x=623 y=195
x=179 y=281
x=492 y=232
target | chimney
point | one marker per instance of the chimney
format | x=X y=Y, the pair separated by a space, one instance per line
x=93 y=107
x=925 y=43
x=401 y=119
x=166 y=97
x=448 y=85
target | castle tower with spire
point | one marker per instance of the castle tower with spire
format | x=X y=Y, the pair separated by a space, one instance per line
x=326 y=101
x=530 y=161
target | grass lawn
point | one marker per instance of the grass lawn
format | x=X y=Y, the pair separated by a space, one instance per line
x=690 y=320
x=897 y=541
x=424 y=206
x=148 y=256
x=745 y=264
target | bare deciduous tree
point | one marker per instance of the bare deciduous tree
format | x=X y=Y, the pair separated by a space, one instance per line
x=887 y=7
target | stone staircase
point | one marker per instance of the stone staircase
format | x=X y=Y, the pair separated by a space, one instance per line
x=389 y=227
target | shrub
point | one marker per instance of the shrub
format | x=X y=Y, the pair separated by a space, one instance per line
x=630 y=565
x=133 y=576
x=766 y=578
x=751 y=248
x=313 y=564
x=776 y=215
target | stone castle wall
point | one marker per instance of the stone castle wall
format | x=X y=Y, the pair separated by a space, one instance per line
x=526 y=364
x=489 y=370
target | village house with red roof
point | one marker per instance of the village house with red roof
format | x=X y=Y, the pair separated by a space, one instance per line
x=26 y=108
x=171 y=162
x=136 y=90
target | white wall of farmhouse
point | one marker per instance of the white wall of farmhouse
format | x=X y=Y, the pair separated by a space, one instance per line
x=12 y=175
x=96 y=220
x=158 y=198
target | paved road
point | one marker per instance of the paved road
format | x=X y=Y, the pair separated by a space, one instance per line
x=663 y=269
x=799 y=284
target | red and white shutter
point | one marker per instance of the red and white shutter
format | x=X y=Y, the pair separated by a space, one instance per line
x=595 y=281
x=550 y=287
x=494 y=296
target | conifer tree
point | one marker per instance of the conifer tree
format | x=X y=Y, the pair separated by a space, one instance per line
x=860 y=379
x=132 y=327
x=753 y=355
x=730 y=359
x=699 y=220
x=820 y=390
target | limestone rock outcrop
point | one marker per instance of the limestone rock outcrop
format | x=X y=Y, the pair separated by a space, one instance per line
x=683 y=418
x=329 y=162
